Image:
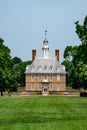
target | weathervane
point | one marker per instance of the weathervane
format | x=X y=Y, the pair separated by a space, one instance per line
x=45 y=34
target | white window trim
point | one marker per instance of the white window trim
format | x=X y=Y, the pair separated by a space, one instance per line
x=58 y=69
x=32 y=86
x=58 y=87
x=50 y=87
x=39 y=68
x=45 y=67
x=39 y=77
x=45 y=76
x=51 y=67
x=39 y=85
x=32 y=77
x=51 y=77
x=58 y=77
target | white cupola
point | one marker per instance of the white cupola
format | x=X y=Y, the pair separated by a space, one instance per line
x=45 y=47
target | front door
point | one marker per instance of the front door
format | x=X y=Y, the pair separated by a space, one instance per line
x=45 y=91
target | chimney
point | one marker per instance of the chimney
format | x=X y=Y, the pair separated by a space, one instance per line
x=33 y=54
x=57 y=54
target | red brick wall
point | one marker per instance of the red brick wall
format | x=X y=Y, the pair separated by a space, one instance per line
x=54 y=82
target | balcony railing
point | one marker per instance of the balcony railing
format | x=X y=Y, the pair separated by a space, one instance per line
x=45 y=81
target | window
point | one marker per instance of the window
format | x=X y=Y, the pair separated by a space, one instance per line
x=51 y=77
x=39 y=77
x=45 y=76
x=39 y=68
x=58 y=87
x=58 y=69
x=32 y=87
x=40 y=86
x=50 y=67
x=32 y=76
x=58 y=77
x=32 y=68
x=45 y=67
x=51 y=87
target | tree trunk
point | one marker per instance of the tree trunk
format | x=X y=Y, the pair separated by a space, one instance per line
x=1 y=93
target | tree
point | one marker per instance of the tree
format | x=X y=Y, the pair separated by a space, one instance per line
x=12 y=71
x=19 y=69
x=5 y=59
x=76 y=56
x=16 y=60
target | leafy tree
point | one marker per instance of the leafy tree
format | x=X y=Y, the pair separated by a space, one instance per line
x=12 y=71
x=16 y=60
x=19 y=69
x=76 y=56
x=5 y=59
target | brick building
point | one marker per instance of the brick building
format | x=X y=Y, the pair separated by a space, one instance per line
x=45 y=75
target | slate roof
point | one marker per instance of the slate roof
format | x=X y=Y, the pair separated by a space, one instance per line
x=45 y=66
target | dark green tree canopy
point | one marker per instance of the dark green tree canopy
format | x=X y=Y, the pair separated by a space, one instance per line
x=4 y=55
x=76 y=59
x=5 y=59
x=16 y=60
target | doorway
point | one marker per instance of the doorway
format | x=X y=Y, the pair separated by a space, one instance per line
x=45 y=91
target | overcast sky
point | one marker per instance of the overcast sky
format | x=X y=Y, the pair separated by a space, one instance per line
x=23 y=24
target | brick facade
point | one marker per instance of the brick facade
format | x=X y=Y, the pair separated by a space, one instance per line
x=34 y=82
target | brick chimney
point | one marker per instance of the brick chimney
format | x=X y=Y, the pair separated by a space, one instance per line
x=57 y=54
x=33 y=54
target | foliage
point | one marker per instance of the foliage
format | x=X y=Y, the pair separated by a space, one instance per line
x=76 y=59
x=19 y=70
x=8 y=77
x=4 y=55
x=4 y=65
x=16 y=60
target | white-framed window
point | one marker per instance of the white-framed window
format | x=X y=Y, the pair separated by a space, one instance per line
x=51 y=87
x=32 y=77
x=40 y=86
x=32 y=68
x=45 y=67
x=58 y=87
x=58 y=77
x=58 y=69
x=32 y=87
x=39 y=68
x=50 y=68
x=51 y=77
x=45 y=76
x=39 y=77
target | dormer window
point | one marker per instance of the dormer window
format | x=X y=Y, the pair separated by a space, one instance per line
x=45 y=67
x=27 y=68
x=39 y=68
x=51 y=67
x=58 y=69
x=32 y=68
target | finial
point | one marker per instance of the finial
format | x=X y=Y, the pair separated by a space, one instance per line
x=45 y=34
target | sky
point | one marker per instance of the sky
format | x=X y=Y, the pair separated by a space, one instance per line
x=23 y=24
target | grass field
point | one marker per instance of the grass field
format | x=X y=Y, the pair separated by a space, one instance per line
x=43 y=113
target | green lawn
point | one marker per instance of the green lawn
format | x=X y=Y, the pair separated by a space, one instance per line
x=43 y=113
